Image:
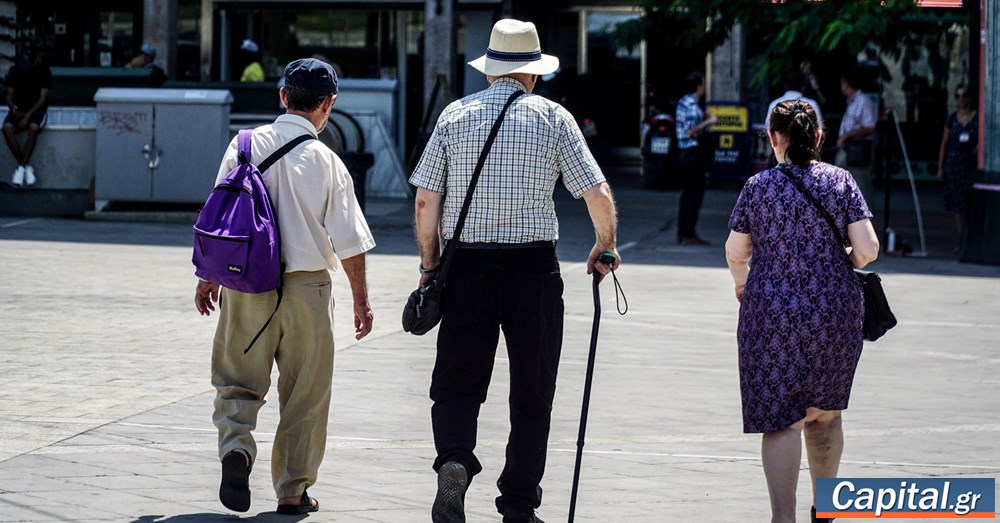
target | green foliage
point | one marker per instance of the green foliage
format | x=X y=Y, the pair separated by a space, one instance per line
x=794 y=29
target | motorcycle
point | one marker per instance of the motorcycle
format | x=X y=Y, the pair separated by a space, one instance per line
x=659 y=151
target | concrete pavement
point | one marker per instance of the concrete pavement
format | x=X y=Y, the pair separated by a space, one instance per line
x=105 y=401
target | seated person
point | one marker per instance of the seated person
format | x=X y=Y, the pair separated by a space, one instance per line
x=145 y=58
x=28 y=84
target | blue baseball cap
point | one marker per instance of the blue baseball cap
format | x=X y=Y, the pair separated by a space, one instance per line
x=311 y=75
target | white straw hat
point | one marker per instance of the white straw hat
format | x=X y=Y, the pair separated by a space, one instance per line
x=514 y=48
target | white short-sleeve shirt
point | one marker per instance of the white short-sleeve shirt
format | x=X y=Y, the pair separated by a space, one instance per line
x=311 y=189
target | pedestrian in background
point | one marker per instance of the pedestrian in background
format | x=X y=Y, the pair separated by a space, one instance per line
x=957 y=157
x=691 y=122
x=801 y=307
x=857 y=129
x=322 y=228
x=504 y=274
x=28 y=84
x=147 y=53
x=145 y=60
x=812 y=89
x=795 y=83
x=254 y=70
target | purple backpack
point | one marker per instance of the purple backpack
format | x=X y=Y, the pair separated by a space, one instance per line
x=236 y=238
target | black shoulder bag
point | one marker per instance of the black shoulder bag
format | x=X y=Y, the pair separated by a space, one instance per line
x=423 y=308
x=878 y=316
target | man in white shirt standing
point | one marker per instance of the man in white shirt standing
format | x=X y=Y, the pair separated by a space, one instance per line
x=854 y=141
x=322 y=228
x=795 y=83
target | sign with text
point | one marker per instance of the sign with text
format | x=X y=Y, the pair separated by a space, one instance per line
x=917 y=498
x=730 y=141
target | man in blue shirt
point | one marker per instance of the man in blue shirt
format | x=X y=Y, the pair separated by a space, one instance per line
x=691 y=123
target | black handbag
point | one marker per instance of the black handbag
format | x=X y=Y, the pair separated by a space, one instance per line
x=422 y=311
x=878 y=317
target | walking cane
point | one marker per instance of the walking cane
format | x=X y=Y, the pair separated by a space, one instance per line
x=608 y=259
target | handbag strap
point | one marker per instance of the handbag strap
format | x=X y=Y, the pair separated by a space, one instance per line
x=819 y=206
x=449 y=248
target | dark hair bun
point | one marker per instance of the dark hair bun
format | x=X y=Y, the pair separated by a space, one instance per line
x=796 y=121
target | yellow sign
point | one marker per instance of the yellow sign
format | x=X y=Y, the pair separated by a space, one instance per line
x=725 y=141
x=732 y=118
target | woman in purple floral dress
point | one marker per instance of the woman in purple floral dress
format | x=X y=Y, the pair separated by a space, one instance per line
x=801 y=306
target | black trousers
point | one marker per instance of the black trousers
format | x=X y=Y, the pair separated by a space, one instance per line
x=520 y=292
x=691 y=166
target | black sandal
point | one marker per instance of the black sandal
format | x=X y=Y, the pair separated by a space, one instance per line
x=305 y=506
x=234 y=492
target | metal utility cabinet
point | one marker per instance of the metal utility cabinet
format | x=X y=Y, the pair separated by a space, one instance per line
x=159 y=145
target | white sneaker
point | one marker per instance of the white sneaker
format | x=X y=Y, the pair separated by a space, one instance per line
x=29 y=175
x=17 y=179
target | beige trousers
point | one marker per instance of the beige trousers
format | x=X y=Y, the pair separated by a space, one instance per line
x=300 y=340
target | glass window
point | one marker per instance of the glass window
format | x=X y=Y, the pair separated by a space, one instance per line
x=115 y=41
x=189 y=40
x=360 y=44
x=331 y=29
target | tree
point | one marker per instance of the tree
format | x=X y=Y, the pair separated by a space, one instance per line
x=789 y=27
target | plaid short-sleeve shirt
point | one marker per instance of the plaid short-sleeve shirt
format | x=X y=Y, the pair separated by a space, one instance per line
x=860 y=113
x=689 y=114
x=539 y=142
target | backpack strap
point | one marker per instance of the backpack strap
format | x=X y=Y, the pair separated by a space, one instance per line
x=280 y=289
x=244 y=142
x=275 y=156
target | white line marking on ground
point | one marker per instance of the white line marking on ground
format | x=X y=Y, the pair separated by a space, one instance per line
x=627 y=246
x=19 y=222
x=623 y=247
x=657 y=439
x=748 y=458
x=196 y=429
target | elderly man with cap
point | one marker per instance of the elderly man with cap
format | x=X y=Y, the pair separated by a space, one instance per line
x=504 y=274
x=322 y=229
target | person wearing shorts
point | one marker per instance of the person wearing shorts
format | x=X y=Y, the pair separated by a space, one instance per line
x=28 y=85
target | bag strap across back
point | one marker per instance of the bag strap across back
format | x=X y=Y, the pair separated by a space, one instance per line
x=450 y=247
x=244 y=142
x=819 y=206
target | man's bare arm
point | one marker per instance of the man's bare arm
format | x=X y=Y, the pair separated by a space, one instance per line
x=427 y=221
x=354 y=269
x=601 y=206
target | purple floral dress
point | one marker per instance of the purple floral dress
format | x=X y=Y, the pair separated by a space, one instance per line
x=799 y=331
